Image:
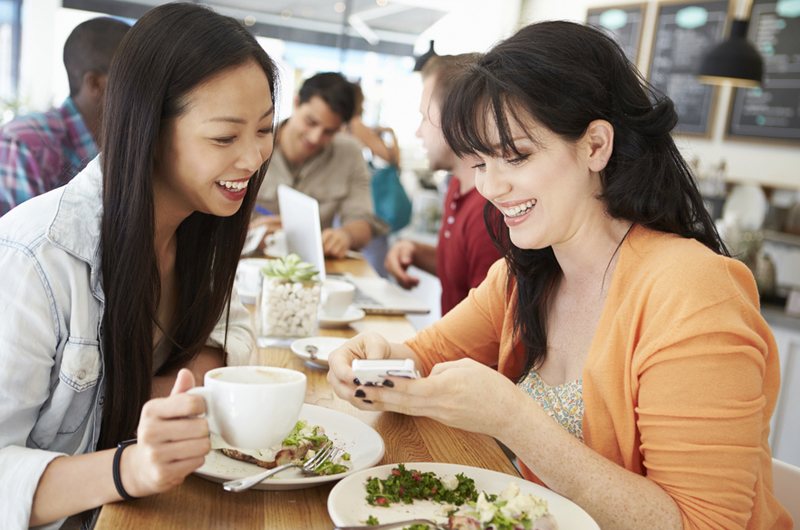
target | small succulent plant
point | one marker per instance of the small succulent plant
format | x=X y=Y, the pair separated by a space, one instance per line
x=290 y=268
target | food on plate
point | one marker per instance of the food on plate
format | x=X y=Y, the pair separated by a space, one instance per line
x=511 y=510
x=299 y=446
x=465 y=508
x=407 y=485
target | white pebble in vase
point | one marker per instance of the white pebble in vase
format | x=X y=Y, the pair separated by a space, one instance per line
x=286 y=308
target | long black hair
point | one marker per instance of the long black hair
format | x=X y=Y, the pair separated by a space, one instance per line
x=565 y=75
x=171 y=50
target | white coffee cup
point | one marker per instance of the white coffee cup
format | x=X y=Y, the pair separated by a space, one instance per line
x=336 y=297
x=248 y=273
x=276 y=244
x=252 y=407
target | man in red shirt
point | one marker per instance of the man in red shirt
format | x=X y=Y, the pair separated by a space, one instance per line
x=464 y=251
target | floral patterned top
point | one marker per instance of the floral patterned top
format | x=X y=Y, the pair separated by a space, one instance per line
x=563 y=403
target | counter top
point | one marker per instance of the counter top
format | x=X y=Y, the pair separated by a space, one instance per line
x=776 y=317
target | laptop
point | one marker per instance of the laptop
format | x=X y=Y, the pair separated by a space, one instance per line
x=300 y=222
x=254 y=237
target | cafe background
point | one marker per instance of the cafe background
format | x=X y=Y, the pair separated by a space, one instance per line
x=751 y=180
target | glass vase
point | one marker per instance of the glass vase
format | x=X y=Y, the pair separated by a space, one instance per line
x=287 y=309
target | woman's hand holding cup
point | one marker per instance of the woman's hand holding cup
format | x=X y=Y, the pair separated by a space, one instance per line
x=172 y=441
x=252 y=407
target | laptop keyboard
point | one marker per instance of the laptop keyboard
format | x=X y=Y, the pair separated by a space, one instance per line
x=370 y=305
x=362 y=300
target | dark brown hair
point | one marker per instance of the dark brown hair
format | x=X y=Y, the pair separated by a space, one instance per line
x=335 y=91
x=358 y=99
x=446 y=69
x=565 y=75
x=171 y=50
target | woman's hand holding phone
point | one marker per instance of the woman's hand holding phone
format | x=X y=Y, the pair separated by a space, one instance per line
x=374 y=372
x=463 y=393
x=368 y=345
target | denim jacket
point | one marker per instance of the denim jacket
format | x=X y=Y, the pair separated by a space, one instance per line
x=51 y=312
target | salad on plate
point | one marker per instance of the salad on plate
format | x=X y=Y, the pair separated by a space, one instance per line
x=459 y=501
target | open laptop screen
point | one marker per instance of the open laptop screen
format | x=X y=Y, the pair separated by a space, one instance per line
x=300 y=221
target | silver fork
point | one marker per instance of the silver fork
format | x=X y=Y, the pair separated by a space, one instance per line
x=328 y=452
x=432 y=524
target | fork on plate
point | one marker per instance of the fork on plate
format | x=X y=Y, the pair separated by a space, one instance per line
x=397 y=524
x=327 y=452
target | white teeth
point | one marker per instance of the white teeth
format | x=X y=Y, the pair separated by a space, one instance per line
x=233 y=186
x=520 y=209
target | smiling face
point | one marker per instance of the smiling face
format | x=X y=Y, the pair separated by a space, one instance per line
x=210 y=152
x=430 y=130
x=548 y=196
x=311 y=127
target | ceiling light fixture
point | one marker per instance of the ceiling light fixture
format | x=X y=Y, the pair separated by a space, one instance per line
x=735 y=62
x=365 y=31
x=422 y=59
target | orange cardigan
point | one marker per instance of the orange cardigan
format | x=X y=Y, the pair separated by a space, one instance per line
x=680 y=381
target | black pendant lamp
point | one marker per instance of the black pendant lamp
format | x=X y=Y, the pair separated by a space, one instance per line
x=735 y=62
x=422 y=59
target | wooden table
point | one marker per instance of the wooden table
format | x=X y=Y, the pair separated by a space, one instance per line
x=199 y=503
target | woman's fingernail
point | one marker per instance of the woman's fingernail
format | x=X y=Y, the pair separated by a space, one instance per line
x=356 y=382
x=360 y=393
x=388 y=383
x=367 y=401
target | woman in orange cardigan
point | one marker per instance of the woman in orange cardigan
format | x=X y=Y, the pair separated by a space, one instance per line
x=635 y=376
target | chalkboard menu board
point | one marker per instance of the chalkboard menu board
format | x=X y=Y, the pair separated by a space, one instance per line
x=772 y=110
x=622 y=23
x=684 y=33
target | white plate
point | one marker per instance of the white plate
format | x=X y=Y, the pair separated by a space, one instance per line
x=347 y=503
x=352 y=314
x=325 y=345
x=352 y=435
x=750 y=202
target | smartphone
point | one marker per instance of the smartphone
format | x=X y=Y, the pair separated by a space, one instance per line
x=372 y=372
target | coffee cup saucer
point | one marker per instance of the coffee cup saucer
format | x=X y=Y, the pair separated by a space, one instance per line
x=352 y=314
x=324 y=346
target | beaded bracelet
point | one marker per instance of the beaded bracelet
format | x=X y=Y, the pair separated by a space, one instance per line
x=117 y=479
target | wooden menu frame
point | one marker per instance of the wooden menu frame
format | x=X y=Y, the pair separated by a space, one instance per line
x=771 y=114
x=695 y=102
x=631 y=43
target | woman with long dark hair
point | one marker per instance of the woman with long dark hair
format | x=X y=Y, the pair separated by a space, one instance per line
x=118 y=292
x=635 y=374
